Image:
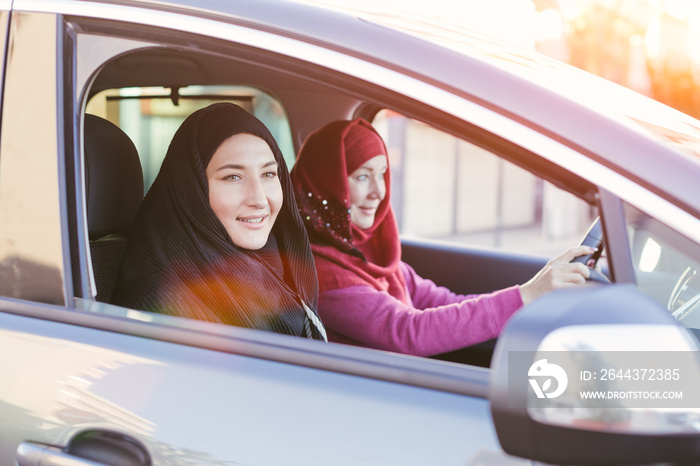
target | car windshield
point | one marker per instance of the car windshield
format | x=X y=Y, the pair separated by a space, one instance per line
x=666 y=265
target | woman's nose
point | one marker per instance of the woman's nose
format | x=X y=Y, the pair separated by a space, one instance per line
x=378 y=188
x=255 y=195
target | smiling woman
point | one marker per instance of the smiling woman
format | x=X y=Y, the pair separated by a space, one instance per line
x=217 y=237
x=244 y=190
x=367 y=188
x=369 y=296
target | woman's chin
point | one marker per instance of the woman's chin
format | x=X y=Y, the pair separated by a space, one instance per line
x=252 y=242
x=364 y=222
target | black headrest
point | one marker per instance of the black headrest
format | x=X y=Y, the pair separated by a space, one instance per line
x=114 y=179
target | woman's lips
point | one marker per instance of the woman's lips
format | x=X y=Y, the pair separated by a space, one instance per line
x=368 y=210
x=253 y=222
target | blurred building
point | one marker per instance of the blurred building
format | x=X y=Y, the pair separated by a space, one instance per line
x=647 y=45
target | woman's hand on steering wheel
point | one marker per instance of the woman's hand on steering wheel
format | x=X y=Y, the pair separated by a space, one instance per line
x=557 y=273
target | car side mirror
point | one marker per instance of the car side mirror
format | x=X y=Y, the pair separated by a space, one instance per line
x=597 y=375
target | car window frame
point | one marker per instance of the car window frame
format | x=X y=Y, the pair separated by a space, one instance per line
x=380 y=97
x=617 y=250
x=473 y=381
x=5 y=6
x=460 y=379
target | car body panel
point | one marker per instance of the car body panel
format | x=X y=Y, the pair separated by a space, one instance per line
x=235 y=408
x=32 y=258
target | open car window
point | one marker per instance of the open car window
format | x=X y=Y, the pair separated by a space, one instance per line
x=452 y=190
x=444 y=186
x=151 y=115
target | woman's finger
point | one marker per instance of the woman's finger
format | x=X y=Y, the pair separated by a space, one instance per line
x=581 y=269
x=568 y=279
x=570 y=254
x=568 y=271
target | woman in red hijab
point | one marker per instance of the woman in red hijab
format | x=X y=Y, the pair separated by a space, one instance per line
x=368 y=296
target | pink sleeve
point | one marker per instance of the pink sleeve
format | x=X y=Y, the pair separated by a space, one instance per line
x=363 y=316
x=425 y=293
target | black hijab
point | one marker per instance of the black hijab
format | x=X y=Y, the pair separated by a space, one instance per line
x=180 y=260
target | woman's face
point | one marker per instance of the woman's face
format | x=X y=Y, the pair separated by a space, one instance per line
x=367 y=190
x=244 y=190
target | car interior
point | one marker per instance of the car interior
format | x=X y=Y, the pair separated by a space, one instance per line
x=148 y=90
x=114 y=190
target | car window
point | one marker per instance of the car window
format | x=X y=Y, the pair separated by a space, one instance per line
x=443 y=186
x=474 y=196
x=666 y=265
x=151 y=115
x=124 y=91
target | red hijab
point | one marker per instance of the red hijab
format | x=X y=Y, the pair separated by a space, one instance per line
x=345 y=254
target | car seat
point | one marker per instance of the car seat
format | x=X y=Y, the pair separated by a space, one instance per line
x=114 y=191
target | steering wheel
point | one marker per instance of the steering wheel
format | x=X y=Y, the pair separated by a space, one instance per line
x=685 y=298
x=594 y=239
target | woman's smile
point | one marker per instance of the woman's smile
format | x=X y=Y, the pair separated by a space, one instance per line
x=253 y=221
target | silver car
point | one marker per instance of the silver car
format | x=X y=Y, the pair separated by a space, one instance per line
x=528 y=153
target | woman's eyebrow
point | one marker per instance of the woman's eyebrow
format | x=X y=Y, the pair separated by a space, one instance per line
x=236 y=166
x=231 y=165
x=372 y=169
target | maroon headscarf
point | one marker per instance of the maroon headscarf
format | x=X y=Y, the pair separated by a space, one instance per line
x=345 y=254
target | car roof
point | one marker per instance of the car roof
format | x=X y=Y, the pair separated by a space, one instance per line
x=651 y=143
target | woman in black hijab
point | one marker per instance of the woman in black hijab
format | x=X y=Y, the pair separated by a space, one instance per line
x=218 y=236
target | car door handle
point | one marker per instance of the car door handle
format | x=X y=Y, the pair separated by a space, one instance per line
x=35 y=454
x=88 y=448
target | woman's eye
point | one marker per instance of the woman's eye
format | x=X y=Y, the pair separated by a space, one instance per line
x=232 y=178
x=362 y=177
x=270 y=175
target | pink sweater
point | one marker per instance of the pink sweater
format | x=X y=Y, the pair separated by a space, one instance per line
x=436 y=321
